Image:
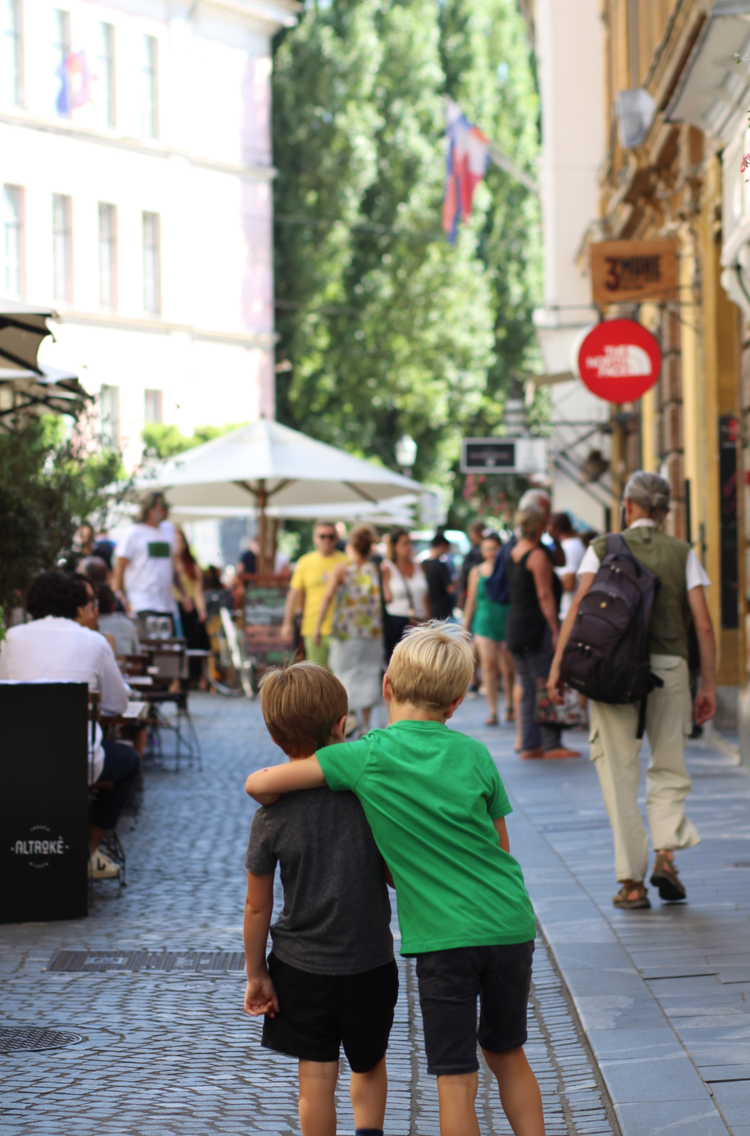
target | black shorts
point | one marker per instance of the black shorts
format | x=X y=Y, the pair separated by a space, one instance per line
x=450 y=983
x=320 y=1012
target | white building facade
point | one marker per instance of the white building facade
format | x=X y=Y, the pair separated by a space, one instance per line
x=136 y=171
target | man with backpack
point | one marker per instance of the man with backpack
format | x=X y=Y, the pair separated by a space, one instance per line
x=624 y=644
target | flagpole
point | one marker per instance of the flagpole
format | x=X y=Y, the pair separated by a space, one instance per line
x=505 y=162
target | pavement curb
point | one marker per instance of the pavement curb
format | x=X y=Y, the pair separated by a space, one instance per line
x=652 y=1082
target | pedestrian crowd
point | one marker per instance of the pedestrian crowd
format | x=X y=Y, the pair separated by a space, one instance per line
x=609 y=633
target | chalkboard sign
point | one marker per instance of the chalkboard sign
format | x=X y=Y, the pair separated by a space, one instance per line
x=44 y=801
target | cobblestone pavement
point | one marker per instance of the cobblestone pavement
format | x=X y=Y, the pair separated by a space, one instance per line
x=663 y=994
x=167 y=1052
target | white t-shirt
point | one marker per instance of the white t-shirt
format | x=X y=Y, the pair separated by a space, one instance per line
x=695 y=573
x=150 y=573
x=60 y=650
x=574 y=550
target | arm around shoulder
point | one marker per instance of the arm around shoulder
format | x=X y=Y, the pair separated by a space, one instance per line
x=268 y=784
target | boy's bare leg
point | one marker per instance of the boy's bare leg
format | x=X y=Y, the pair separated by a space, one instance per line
x=317 y=1102
x=519 y=1091
x=457 y=1093
x=368 y=1092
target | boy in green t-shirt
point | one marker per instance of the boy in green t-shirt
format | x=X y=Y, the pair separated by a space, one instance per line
x=437 y=808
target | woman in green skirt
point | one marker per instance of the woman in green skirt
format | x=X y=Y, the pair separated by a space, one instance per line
x=486 y=621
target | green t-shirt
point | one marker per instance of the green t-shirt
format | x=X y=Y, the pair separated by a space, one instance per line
x=430 y=795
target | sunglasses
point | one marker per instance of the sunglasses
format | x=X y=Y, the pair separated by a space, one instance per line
x=327 y=536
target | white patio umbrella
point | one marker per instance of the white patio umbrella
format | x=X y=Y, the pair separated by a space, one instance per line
x=266 y=464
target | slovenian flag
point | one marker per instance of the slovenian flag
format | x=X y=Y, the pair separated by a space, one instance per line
x=466 y=165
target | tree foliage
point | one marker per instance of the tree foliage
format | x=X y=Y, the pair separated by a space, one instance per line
x=50 y=481
x=388 y=328
x=164 y=441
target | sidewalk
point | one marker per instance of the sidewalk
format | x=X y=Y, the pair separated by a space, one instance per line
x=161 y=1046
x=662 y=994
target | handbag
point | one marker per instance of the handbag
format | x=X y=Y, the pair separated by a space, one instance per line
x=570 y=714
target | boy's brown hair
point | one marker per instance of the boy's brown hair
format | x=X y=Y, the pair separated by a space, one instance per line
x=301 y=704
x=432 y=665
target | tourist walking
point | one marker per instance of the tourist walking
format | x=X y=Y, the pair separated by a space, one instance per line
x=143 y=575
x=356 y=653
x=615 y=746
x=307 y=587
x=188 y=592
x=532 y=630
x=473 y=557
x=562 y=532
x=440 y=586
x=405 y=590
x=487 y=622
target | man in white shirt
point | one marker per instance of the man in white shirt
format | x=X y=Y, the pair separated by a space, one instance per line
x=144 y=565
x=563 y=533
x=56 y=648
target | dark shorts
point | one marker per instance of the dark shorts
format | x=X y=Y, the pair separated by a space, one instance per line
x=318 y=1013
x=450 y=983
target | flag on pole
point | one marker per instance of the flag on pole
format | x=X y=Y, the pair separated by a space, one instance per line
x=466 y=165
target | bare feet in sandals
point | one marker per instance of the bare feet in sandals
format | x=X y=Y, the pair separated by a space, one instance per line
x=665 y=877
x=631 y=896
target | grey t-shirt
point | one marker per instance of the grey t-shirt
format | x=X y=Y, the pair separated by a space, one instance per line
x=336 y=916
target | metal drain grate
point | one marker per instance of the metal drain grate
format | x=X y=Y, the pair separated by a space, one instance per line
x=149 y=961
x=13 y=1038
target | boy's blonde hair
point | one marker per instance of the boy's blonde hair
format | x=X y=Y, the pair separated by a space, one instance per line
x=432 y=665
x=301 y=704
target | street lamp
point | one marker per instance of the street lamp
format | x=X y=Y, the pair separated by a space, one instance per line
x=406 y=453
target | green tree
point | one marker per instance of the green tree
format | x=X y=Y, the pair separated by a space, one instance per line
x=388 y=328
x=164 y=441
x=51 y=479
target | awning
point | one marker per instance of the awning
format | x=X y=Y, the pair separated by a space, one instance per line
x=50 y=392
x=714 y=87
x=22 y=329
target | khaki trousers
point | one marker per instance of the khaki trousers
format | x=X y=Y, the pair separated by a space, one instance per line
x=615 y=750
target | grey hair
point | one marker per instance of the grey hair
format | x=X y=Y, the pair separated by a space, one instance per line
x=527 y=522
x=535 y=499
x=649 y=492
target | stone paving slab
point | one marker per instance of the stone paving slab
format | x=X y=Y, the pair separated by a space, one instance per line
x=165 y=1053
x=667 y=988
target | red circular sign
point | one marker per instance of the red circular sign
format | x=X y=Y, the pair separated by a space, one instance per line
x=619 y=360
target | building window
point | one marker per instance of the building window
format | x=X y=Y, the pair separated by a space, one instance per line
x=151 y=266
x=107 y=255
x=61 y=247
x=149 y=88
x=153 y=406
x=60 y=52
x=11 y=282
x=110 y=413
x=11 y=53
x=106 y=72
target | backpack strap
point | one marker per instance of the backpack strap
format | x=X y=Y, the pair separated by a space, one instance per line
x=618 y=546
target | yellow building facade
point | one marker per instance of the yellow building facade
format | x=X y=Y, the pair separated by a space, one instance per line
x=677 y=85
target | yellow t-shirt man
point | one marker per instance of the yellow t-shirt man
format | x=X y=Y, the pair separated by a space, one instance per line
x=311 y=575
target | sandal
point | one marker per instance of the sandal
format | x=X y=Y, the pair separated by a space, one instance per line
x=621 y=899
x=531 y=754
x=509 y=716
x=665 y=877
x=491 y=721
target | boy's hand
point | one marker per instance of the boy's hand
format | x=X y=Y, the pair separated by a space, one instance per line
x=260 y=997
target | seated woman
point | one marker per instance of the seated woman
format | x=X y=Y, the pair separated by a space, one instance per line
x=56 y=647
x=116 y=623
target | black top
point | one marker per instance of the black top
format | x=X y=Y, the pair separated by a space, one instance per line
x=438 y=581
x=526 y=623
x=472 y=558
x=249 y=562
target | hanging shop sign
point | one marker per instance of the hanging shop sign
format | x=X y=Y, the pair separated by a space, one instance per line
x=619 y=360
x=633 y=270
x=504 y=455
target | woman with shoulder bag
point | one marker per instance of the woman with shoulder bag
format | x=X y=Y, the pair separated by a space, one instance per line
x=404 y=590
x=356 y=653
x=531 y=631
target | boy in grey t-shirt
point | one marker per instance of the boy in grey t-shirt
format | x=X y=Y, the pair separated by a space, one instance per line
x=331 y=978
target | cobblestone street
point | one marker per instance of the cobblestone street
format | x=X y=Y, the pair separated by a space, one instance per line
x=170 y=1051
